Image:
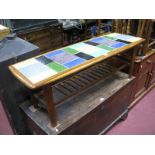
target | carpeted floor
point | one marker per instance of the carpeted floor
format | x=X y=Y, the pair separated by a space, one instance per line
x=141 y=118
x=5 y=128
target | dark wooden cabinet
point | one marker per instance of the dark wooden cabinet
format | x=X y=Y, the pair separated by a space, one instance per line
x=93 y=112
x=144 y=71
x=47 y=38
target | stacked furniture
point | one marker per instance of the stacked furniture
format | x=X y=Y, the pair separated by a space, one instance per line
x=61 y=76
x=145 y=59
x=46 y=34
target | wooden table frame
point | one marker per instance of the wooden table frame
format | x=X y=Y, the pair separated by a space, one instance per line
x=49 y=97
x=46 y=85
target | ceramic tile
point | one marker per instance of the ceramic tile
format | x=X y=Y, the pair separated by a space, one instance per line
x=75 y=63
x=109 y=42
x=70 y=50
x=99 y=53
x=33 y=69
x=113 y=34
x=25 y=63
x=84 y=56
x=118 y=45
x=123 y=37
x=123 y=41
x=64 y=58
x=42 y=75
x=54 y=53
x=111 y=38
x=75 y=46
x=56 y=67
x=91 y=43
x=88 y=49
x=43 y=60
x=106 y=47
x=98 y=39
x=133 y=39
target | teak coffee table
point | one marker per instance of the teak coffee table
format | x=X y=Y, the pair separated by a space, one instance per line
x=45 y=70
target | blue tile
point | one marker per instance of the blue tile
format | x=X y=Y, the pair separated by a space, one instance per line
x=51 y=54
x=118 y=45
x=33 y=69
x=98 y=40
x=74 y=63
x=99 y=53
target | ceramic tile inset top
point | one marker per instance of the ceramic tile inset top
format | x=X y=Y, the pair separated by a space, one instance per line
x=52 y=63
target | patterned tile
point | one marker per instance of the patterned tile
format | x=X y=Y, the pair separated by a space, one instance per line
x=64 y=58
x=43 y=60
x=84 y=56
x=56 y=67
x=75 y=63
x=70 y=50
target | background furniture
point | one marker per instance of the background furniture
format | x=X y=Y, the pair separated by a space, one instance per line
x=11 y=90
x=144 y=63
x=45 y=33
x=144 y=71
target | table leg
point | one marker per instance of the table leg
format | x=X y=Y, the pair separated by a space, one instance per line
x=33 y=99
x=132 y=61
x=48 y=94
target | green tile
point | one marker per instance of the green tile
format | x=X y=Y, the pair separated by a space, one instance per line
x=105 y=47
x=70 y=50
x=57 y=67
x=112 y=38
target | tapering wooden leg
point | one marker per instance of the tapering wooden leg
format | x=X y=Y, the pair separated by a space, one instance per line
x=132 y=61
x=33 y=99
x=48 y=94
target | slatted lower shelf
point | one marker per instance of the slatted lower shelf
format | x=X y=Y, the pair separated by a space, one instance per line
x=82 y=81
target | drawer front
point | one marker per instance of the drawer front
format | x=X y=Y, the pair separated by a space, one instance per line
x=141 y=84
x=101 y=117
x=146 y=66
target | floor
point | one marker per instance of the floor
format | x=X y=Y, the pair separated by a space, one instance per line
x=140 y=121
x=141 y=118
x=5 y=127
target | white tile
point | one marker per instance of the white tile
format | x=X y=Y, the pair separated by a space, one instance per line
x=133 y=39
x=42 y=76
x=25 y=63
